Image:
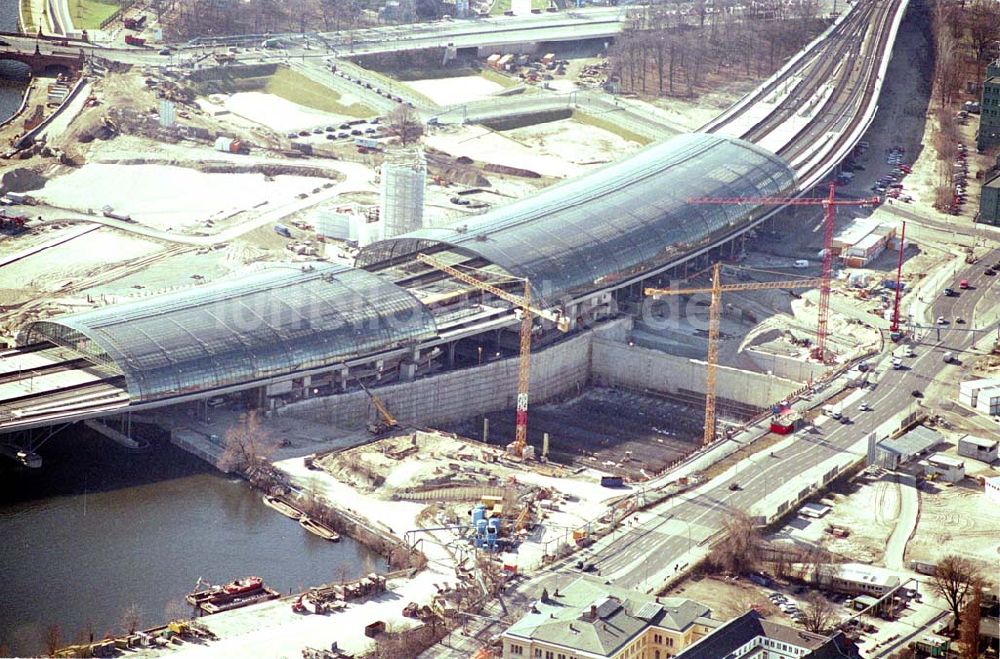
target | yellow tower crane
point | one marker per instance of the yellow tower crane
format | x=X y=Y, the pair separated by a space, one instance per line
x=714 y=310
x=524 y=364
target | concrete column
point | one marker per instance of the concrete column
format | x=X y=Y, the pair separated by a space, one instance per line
x=407 y=371
x=343 y=379
x=451 y=353
x=486 y=429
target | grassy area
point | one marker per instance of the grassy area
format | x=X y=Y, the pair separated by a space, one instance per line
x=89 y=14
x=296 y=88
x=495 y=76
x=27 y=21
x=611 y=127
x=500 y=6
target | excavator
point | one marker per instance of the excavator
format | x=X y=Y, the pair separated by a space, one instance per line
x=386 y=420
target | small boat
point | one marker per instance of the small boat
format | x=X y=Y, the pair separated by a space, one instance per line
x=282 y=506
x=243 y=586
x=319 y=529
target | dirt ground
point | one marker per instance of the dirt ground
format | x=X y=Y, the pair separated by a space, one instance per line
x=728 y=599
x=953 y=516
x=600 y=427
x=866 y=506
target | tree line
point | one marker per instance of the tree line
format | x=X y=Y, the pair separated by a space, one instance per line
x=665 y=51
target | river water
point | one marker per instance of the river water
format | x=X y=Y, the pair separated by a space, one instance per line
x=99 y=528
x=11 y=87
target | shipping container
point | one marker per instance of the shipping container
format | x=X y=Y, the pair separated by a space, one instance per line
x=612 y=481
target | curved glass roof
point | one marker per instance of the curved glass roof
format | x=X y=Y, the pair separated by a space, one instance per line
x=613 y=223
x=265 y=324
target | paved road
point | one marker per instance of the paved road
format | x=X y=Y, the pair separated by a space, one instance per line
x=642 y=551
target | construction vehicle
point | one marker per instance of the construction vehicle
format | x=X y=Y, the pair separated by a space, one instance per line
x=12 y=223
x=829 y=204
x=714 y=311
x=132 y=40
x=135 y=23
x=518 y=447
x=387 y=421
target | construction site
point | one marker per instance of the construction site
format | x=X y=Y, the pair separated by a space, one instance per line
x=484 y=316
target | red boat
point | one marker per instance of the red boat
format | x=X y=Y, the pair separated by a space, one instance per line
x=243 y=586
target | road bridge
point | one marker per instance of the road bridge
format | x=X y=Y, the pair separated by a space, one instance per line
x=47 y=61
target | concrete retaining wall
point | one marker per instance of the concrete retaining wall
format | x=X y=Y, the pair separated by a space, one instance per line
x=615 y=364
x=448 y=397
x=800 y=370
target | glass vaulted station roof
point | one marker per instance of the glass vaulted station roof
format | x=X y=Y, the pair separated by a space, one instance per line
x=613 y=223
x=269 y=323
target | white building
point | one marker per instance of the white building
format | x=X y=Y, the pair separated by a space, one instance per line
x=988 y=400
x=944 y=467
x=855 y=578
x=992 y=489
x=968 y=392
x=404 y=177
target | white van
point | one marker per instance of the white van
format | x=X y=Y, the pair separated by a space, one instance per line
x=801 y=263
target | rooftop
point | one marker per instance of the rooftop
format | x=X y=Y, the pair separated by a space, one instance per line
x=745 y=629
x=264 y=324
x=611 y=225
x=987 y=444
x=915 y=442
x=860 y=573
x=945 y=460
x=590 y=616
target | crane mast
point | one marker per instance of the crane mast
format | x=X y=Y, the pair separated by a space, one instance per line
x=528 y=311
x=714 y=313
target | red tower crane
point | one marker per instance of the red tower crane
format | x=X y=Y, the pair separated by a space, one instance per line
x=829 y=204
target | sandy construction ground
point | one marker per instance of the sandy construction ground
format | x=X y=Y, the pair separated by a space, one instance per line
x=868 y=508
x=279 y=114
x=85 y=253
x=168 y=197
x=956 y=518
x=560 y=148
x=449 y=91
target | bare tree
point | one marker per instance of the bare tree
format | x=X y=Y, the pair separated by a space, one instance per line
x=953 y=580
x=740 y=548
x=818 y=613
x=968 y=624
x=405 y=124
x=246 y=445
x=131 y=617
x=52 y=637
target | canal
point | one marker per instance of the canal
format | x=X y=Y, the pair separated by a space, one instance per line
x=12 y=84
x=99 y=529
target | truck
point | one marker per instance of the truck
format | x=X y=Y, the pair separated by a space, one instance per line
x=897 y=363
x=832 y=411
x=282 y=230
x=229 y=145
x=367 y=143
x=135 y=23
x=133 y=40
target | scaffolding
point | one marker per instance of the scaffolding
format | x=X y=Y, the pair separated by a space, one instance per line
x=404 y=175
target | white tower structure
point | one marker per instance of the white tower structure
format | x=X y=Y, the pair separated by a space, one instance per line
x=404 y=175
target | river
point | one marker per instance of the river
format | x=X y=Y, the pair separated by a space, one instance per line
x=11 y=86
x=99 y=528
